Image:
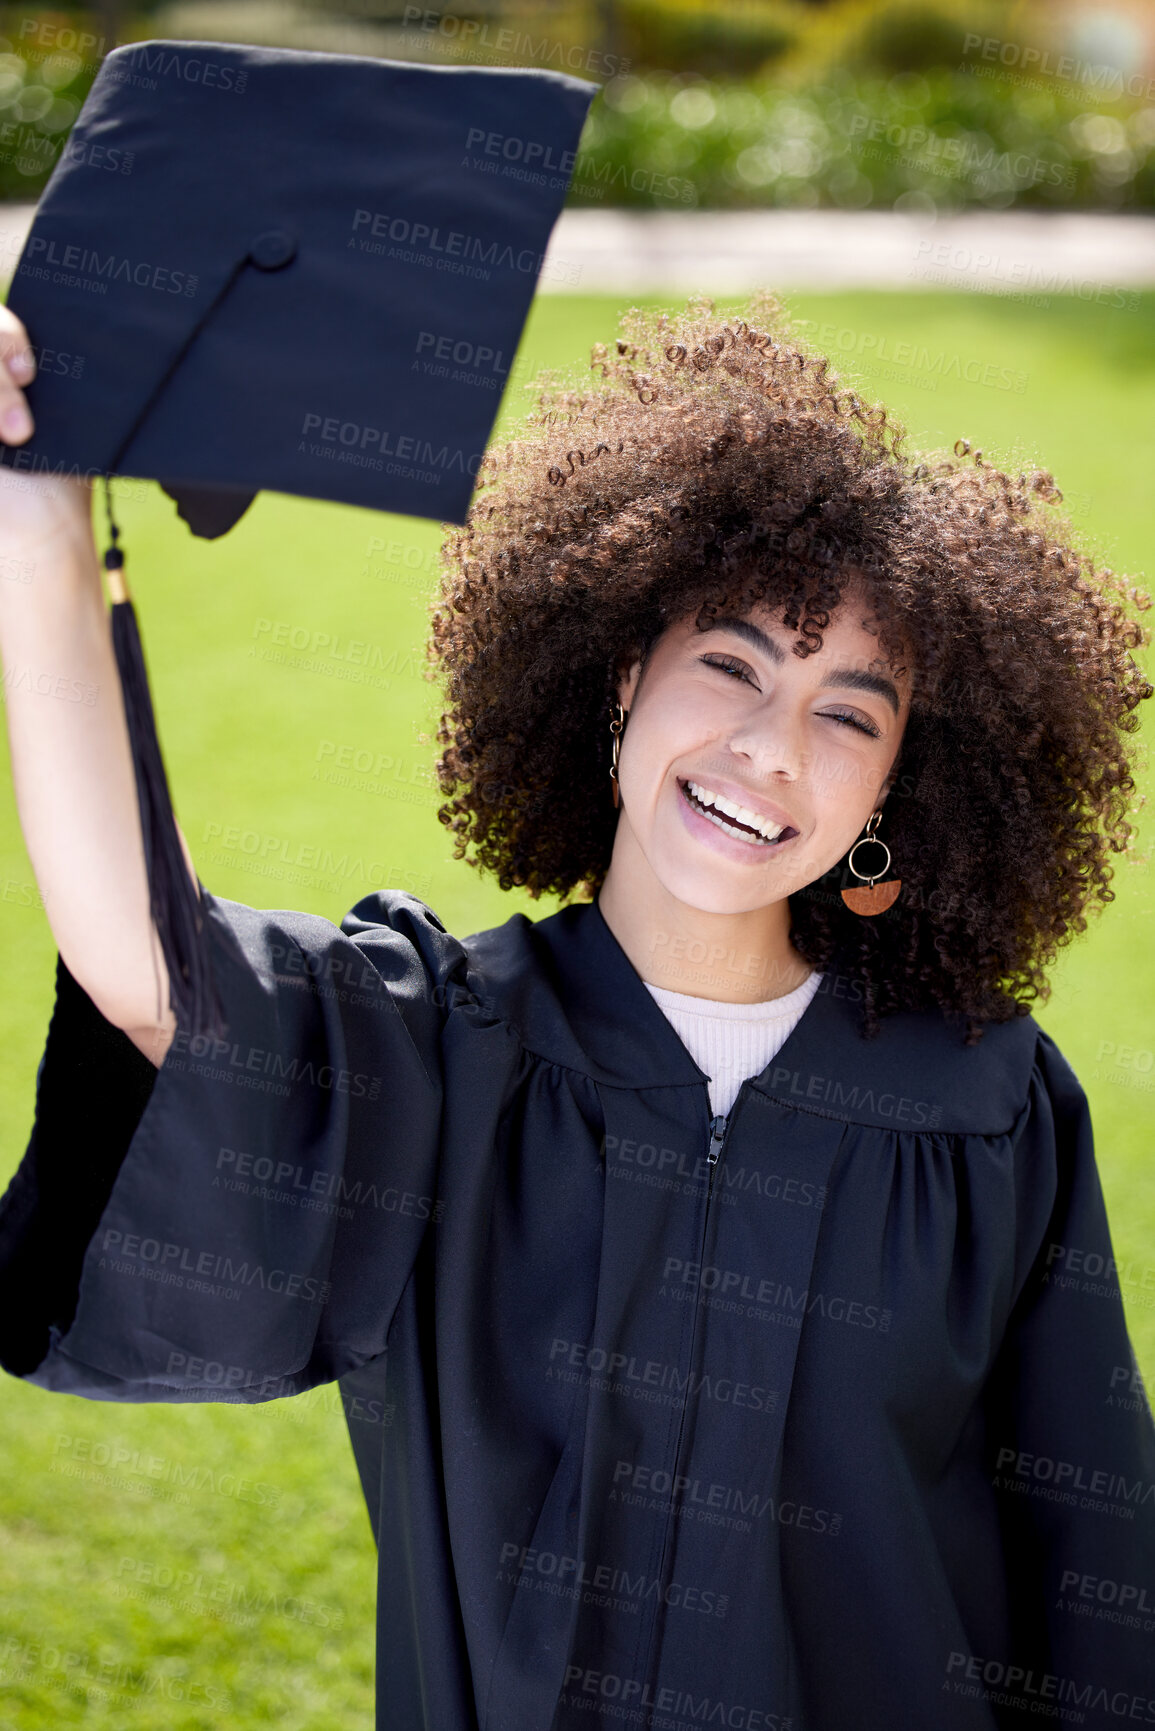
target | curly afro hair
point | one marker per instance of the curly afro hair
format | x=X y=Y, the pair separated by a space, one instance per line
x=713 y=461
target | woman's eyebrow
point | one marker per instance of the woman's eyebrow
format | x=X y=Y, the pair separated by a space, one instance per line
x=858 y=679
x=753 y=634
x=849 y=678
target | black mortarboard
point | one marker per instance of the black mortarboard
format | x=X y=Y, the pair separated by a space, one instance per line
x=289 y=271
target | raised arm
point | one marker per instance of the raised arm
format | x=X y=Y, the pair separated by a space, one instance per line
x=71 y=760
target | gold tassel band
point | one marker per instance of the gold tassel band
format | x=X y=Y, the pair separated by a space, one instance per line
x=117 y=587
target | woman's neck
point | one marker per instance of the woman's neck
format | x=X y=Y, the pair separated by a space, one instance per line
x=733 y=958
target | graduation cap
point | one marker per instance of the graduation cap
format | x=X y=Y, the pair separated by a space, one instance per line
x=271 y=269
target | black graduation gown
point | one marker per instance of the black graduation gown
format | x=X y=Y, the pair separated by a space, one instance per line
x=822 y=1417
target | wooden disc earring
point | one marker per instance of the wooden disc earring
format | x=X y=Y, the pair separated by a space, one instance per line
x=617 y=723
x=873 y=897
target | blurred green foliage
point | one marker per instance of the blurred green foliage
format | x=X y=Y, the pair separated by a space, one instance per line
x=48 y=59
x=919 y=104
x=942 y=139
x=729 y=38
x=900 y=35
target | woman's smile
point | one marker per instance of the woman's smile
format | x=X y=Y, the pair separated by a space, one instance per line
x=709 y=808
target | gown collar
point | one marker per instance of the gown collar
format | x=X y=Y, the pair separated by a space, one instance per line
x=576 y=999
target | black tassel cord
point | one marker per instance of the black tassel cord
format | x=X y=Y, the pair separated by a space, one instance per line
x=174 y=898
x=177 y=907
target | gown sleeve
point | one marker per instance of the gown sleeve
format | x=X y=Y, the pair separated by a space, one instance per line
x=1069 y=1426
x=239 y=1223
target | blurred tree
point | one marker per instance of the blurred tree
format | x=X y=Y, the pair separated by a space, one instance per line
x=728 y=39
x=909 y=38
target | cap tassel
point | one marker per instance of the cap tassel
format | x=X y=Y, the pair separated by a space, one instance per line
x=174 y=900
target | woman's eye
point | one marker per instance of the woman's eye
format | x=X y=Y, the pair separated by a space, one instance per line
x=849 y=718
x=728 y=664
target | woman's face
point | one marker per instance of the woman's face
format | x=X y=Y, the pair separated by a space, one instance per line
x=747 y=771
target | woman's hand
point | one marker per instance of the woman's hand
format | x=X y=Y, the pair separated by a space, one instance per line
x=36 y=510
x=20 y=369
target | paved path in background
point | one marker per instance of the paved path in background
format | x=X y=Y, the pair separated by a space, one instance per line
x=732 y=251
x=729 y=252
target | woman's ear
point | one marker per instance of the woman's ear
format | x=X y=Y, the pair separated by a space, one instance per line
x=628 y=683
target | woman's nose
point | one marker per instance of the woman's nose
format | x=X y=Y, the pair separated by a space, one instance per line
x=773 y=743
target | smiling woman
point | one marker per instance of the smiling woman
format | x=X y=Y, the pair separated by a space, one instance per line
x=717 y=1277
x=915 y=632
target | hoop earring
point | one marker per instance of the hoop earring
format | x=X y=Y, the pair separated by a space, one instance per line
x=876 y=897
x=617 y=724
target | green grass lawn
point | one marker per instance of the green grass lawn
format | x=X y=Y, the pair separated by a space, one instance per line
x=127 y=1599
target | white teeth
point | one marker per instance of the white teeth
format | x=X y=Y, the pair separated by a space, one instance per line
x=704 y=795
